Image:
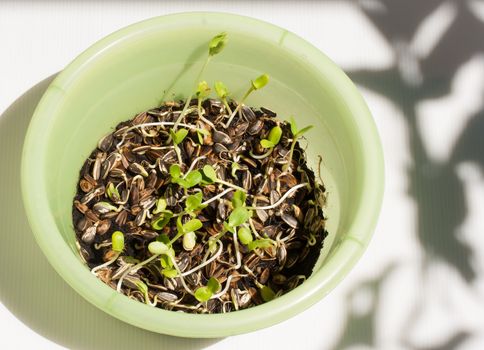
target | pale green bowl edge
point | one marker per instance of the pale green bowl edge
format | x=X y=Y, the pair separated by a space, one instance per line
x=188 y=325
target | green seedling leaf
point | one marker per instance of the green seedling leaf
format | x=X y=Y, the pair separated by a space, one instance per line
x=267 y=293
x=161 y=220
x=189 y=240
x=275 y=135
x=203 y=132
x=160 y=205
x=169 y=272
x=266 y=143
x=203 y=90
x=210 y=173
x=112 y=192
x=179 y=224
x=175 y=171
x=157 y=248
x=235 y=167
x=178 y=136
x=192 y=225
x=214 y=285
x=238 y=216
x=221 y=90
x=163 y=238
x=292 y=123
x=244 y=235
x=200 y=137
x=165 y=261
x=193 y=178
x=117 y=239
x=217 y=44
x=142 y=287
x=104 y=207
x=238 y=200
x=228 y=228
x=171 y=253
x=131 y=260
x=260 y=243
x=304 y=130
x=203 y=294
x=212 y=244
x=260 y=82
x=194 y=201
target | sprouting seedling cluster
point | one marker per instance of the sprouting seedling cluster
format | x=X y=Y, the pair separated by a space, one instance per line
x=296 y=135
x=213 y=286
x=184 y=221
x=256 y=84
x=270 y=142
x=210 y=176
x=273 y=138
x=215 y=46
x=178 y=136
x=186 y=181
x=223 y=94
x=117 y=244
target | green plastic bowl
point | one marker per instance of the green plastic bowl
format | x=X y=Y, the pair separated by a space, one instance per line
x=132 y=70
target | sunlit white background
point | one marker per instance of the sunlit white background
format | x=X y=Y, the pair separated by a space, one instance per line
x=420 y=66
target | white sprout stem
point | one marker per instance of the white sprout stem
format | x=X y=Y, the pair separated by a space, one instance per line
x=227 y=106
x=231 y=185
x=133 y=269
x=207 y=253
x=232 y=115
x=311 y=240
x=237 y=251
x=208 y=122
x=288 y=237
x=155 y=300
x=196 y=307
x=183 y=112
x=281 y=200
x=238 y=107
x=158 y=148
x=223 y=291
x=187 y=103
x=97 y=268
x=201 y=117
x=251 y=224
x=175 y=265
x=261 y=156
x=156 y=286
x=301 y=277
x=160 y=124
x=193 y=165
x=101 y=245
x=121 y=270
x=178 y=154
x=215 y=256
x=220 y=195
x=250 y=272
x=121 y=142
x=291 y=152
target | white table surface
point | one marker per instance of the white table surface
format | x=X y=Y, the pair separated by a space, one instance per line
x=420 y=67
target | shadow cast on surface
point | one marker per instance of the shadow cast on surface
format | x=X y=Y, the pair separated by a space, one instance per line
x=29 y=286
x=434 y=186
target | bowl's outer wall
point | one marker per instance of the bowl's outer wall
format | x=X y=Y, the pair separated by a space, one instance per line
x=133 y=70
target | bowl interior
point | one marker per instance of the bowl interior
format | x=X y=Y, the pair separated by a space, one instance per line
x=135 y=69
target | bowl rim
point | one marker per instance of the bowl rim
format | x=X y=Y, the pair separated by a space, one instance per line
x=70 y=268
